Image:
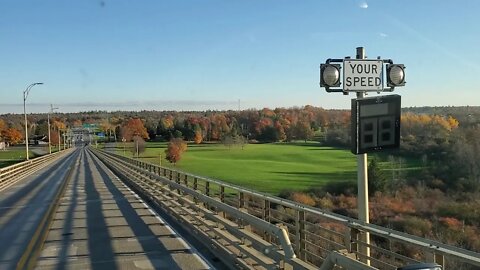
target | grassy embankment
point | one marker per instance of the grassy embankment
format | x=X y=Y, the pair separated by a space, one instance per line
x=269 y=168
x=12 y=156
x=16 y=154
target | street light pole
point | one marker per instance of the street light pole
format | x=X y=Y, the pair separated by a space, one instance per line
x=25 y=95
x=49 y=140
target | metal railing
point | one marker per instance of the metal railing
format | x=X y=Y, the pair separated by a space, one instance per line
x=14 y=173
x=315 y=233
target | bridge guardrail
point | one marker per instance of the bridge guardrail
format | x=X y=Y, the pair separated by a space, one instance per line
x=315 y=233
x=14 y=173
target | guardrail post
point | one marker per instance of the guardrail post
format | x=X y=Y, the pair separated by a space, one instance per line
x=185 y=180
x=241 y=200
x=195 y=183
x=300 y=236
x=266 y=217
x=222 y=193
x=222 y=198
x=353 y=239
x=207 y=192
x=170 y=177
x=241 y=207
x=207 y=188
x=177 y=180
x=440 y=259
x=195 y=187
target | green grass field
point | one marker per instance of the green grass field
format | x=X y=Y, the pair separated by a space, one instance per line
x=269 y=168
x=11 y=156
x=16 y=154
x=265 y=167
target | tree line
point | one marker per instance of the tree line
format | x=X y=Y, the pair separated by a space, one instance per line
x=444 y=138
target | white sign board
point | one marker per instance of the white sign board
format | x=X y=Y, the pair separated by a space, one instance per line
x=362 y=75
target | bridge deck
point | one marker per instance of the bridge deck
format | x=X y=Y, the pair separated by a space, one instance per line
x=102 y=224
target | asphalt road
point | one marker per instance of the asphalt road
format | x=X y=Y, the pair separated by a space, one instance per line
x=23 y=205
x=102 y=224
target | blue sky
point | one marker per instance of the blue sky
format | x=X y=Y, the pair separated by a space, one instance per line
x=208 y=54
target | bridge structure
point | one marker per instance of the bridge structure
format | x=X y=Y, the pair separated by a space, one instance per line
x=84 y=208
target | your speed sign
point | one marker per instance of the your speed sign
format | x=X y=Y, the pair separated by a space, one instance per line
x=363 y=75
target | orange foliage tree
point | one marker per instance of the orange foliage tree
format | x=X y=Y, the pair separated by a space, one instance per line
x=3 y=126
x=12 y=136
x=198 y=136
x=54 y=139
x=58 y=125
x=175 y=149
x=134 y=127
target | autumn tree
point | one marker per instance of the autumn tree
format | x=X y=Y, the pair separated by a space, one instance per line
x=138 y=145
x=198 y=137
x=107 y=128
x=175 y=149
x=54 y=138
x=165 y=126
x=58 y=125
x=228 y=140
x=41 y=128
x=240 y=140
x=12 y=136
x=77 y=123
x=3 y=126
x=303 y=130
x=134 y=127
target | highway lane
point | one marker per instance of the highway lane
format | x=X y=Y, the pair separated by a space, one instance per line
x=23 y=205
x=102 y=224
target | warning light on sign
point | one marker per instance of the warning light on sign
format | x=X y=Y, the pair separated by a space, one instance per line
x=330 y=75
x=395 y=75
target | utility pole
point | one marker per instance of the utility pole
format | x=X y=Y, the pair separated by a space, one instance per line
x=49 y=137
x=64 y=140
x=362 y=183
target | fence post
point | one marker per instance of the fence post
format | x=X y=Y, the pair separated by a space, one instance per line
x=207 y=192
x=241 y=200
x=440 y=259
x=177 y=180
x=222 y=198
x=300 y=236
x=353 y=239
x=207 y=188
x=222 y=194
x=185 y=180
x=266 y=217
x=195 y=183
x=195 y=187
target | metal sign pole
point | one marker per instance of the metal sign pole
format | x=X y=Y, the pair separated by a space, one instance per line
x=362 y=182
